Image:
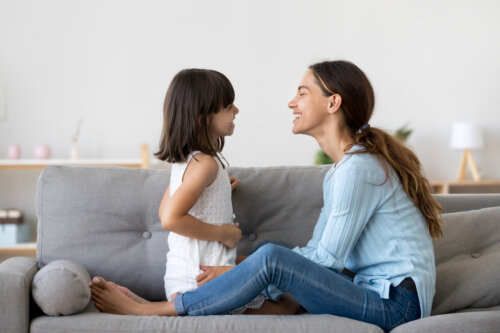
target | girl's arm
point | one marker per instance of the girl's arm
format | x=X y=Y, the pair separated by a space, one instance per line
x=174 y=211
x=211 y=272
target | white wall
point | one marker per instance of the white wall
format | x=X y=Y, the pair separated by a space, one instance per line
x=110 y=62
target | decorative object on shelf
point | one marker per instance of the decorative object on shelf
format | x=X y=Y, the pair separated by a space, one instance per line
x=42 y=152
x=403 y=132
x=74 y=153
x=12 y=228
x=13 y=152
x=466 y=136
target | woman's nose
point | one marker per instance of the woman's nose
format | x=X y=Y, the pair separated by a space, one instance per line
x=236 y=110
x=292 y=103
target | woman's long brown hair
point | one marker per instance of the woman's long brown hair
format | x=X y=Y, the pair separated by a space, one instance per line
x=358 y=100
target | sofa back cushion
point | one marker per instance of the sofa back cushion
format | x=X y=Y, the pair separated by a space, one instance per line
x=468 y=261
x=106 y=219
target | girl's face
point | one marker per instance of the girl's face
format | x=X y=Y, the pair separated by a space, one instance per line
x=221 y=123
x=310 y=106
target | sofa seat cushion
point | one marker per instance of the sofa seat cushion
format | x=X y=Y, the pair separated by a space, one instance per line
x=468 y=261
x=480 y=321
x=92 y=321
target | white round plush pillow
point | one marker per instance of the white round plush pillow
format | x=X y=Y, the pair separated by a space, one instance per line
x=61 y=288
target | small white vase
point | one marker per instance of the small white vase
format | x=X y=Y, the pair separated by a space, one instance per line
x=74 y=153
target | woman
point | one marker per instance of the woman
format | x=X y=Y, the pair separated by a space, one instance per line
x=377 y=221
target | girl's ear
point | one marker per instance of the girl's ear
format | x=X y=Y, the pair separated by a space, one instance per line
x=201 y=119
x=334 y=103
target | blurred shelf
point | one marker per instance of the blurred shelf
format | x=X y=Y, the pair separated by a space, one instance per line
x=40 y=164
x=18 y=250
x=465 y=186
x=21 y=248
x=143 y=162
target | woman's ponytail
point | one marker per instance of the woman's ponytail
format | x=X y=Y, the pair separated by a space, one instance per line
x=408 y=168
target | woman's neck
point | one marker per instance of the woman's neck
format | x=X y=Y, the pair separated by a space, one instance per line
x=333 y=143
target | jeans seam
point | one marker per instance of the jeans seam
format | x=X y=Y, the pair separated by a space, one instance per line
x=405 y=316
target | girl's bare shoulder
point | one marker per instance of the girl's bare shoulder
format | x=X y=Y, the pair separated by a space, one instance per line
x=202 y=165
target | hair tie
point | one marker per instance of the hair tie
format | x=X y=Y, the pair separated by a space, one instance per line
x=363 y=128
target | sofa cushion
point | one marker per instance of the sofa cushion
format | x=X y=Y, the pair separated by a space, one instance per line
x=482 y=321
x=90 y=321
x=61 y=288
x=468 y=261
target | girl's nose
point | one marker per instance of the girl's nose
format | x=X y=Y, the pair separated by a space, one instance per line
x=236 y=110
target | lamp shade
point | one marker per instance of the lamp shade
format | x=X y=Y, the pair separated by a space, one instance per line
x=466 y=136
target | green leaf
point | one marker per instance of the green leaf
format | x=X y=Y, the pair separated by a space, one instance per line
x=322 y=158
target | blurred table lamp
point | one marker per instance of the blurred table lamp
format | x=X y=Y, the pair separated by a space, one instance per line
x=466 y=136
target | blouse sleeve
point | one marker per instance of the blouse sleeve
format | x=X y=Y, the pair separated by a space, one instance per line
x=351 y=198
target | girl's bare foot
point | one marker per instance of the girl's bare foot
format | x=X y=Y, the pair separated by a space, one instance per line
x=109 y=299
x=127 y=292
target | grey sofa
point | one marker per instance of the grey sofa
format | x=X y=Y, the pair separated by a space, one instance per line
x=106 y=218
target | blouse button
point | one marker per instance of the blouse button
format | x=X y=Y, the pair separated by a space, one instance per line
x=475 y=255
x=146 y=235
x=252 y=237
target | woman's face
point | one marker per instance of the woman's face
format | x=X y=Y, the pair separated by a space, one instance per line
x=310 y=106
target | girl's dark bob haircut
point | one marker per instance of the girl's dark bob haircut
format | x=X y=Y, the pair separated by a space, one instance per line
x=192 y=96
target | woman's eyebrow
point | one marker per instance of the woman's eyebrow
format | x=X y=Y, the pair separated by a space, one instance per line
x=302 y=87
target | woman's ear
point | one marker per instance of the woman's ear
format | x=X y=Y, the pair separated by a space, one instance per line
x=334 y=103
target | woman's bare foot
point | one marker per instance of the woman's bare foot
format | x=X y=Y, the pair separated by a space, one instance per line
x=127 y=292
x=109 y=299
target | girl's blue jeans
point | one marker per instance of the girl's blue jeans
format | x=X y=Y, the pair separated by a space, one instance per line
x=317 y=289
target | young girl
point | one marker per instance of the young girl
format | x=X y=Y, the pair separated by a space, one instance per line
x=196 y=207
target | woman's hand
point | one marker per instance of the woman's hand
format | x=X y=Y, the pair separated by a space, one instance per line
x=210 y=273
x=230 y=235
x=234 y=183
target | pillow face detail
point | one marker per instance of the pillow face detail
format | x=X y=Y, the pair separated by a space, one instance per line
x=61 y=288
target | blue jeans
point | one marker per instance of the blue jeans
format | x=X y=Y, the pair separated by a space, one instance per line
x=317 y=289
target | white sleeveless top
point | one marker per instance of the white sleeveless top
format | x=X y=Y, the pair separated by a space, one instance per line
x=185 y=255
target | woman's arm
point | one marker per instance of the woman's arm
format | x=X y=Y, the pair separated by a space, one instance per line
x=352 y=198
x=174 y=211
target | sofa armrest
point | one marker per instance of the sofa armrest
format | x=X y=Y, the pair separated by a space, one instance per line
x=16 y=275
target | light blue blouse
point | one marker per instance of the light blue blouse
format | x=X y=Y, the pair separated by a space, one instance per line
x=372 y=227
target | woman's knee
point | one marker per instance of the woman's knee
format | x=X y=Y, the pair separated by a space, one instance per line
x=271 y=250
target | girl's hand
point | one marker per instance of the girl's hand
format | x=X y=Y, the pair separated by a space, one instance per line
x=231 y=235
x=234 y=183
x=210 y=273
